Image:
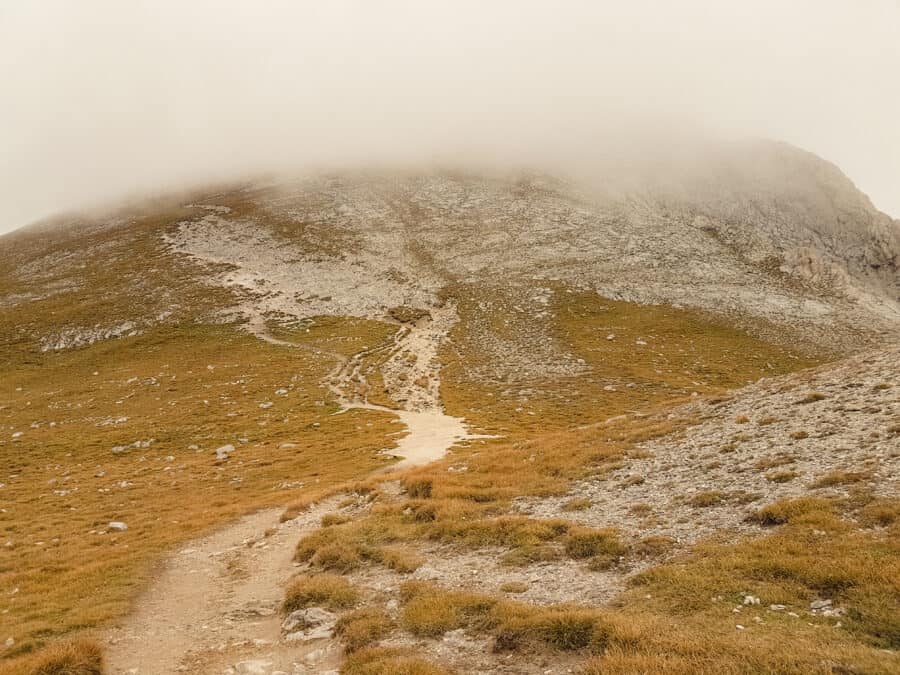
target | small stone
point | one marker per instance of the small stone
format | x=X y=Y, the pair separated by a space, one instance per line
x=777 y=608
x=10 y=641
x=312 y=623
x=118 y=526
x=739 y=627
x=253 y=667
x=751 y=600
x=316 y=655
x=223 y=453
x=819 y=604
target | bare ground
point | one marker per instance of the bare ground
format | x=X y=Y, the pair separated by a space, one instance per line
x=215 y=603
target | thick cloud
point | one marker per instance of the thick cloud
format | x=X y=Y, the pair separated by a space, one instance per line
x=106 y=99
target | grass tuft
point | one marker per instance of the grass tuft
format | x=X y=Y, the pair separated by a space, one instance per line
x=388 y=661
x=790 y=510
x=707 y=499
x=72 y=657
x=585 y=543
x=576 y=504
x=327 y=590
x=840 y=478
x=361 y=627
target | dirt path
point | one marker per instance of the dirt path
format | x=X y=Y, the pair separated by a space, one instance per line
x=214 y=606
x=213 y=609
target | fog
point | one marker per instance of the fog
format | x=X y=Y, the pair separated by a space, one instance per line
x=103 y=100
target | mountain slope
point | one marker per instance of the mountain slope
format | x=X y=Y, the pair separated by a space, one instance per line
x=178 y=363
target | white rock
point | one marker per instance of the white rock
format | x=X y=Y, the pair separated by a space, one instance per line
x=118 y=526
x=316 y=655
x=223 y=452
x=253 y=667
x=312 y=623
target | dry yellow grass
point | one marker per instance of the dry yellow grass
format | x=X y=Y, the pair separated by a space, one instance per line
x=577 y=504
x=63 y=568
x=816 y=555
x=328 y=590
x=679 y=617
x=389 y=661
x=881 y=512
x=513 y=587
x=833 y=478
x=792 y=510
x=72 y=657
x=686 y=351
x=362 y=627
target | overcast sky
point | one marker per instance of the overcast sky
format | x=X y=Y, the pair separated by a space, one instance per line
x=100 y=100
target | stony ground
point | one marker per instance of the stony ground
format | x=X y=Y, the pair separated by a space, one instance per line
x=824 y=432
x=215 y=605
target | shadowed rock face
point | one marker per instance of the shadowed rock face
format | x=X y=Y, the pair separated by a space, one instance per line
x=754 y=231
